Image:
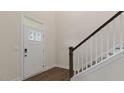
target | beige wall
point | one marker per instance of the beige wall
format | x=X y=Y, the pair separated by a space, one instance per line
x=10 y=25
x=73 y=27
x=10 y=38
x=62 y=29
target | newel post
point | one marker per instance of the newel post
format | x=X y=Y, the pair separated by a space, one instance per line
x=71 y=71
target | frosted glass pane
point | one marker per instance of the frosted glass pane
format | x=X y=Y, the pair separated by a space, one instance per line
x=31 y=35
x=38 y=36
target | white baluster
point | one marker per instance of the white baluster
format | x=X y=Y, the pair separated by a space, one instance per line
x=101 y=44
x=82 y=57
x=75 y=59
x=86 y=53
x=78 y=63
x=96 y=48
x=113 y=36
x=108 y=39
x=121 y=31
x=91 y=57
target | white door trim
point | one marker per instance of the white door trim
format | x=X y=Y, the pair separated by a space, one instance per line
x=22 y=46
x=22 y=43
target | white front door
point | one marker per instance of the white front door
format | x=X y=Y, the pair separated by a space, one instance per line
x=33 y=47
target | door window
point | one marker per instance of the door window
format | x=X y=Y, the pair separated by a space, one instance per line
x=31 y=35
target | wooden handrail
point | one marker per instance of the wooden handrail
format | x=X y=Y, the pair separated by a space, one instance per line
x=97 y=30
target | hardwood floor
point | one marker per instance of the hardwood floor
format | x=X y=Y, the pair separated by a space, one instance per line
x=54 y=74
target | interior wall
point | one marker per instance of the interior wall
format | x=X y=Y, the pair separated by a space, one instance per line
x=62 y=29
x=10 y=38
x=72 y=27
x=10 y=25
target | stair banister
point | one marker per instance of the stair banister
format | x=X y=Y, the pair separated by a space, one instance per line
x=72 y=49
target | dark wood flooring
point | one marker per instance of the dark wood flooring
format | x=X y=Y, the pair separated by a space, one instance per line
x=54 y=74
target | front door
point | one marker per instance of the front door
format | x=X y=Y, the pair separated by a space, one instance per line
x=33 y=47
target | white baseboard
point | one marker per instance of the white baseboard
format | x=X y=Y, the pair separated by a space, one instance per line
x=62 y=66
x=17 y=79
x=44 y=69
x=49 y=67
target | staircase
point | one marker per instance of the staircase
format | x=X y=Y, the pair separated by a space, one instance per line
x=103 y=44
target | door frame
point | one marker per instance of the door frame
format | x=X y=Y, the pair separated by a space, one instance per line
x=22 y=43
